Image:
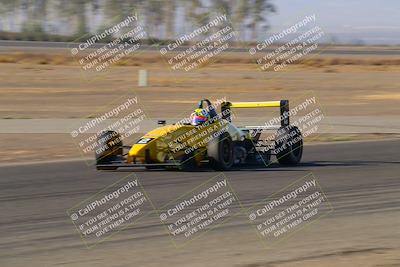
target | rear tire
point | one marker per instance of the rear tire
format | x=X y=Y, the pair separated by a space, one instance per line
x=289 y=145
x=109 y=148
x=220 y=152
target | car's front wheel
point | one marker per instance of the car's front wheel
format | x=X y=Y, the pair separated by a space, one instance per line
x=109 y=147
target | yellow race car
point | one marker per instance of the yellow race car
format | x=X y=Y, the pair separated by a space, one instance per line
x=208 y=138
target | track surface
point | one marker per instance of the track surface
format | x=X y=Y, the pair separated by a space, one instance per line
x=361 y=180
x=63 y=45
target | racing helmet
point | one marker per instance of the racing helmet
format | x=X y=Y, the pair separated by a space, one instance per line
x=199 y=116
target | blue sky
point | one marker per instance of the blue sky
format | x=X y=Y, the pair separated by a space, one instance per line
x=372 y=21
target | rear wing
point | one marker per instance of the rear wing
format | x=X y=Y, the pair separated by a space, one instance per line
x=283 y=105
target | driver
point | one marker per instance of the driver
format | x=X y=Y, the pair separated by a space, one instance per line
x=199 y=116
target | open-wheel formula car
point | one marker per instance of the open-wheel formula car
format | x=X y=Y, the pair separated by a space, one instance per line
x=206 y=138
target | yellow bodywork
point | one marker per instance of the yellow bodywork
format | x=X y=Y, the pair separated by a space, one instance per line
x=172 y=142
x=265 y=104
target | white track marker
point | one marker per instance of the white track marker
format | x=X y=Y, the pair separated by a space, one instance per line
x=142 y=82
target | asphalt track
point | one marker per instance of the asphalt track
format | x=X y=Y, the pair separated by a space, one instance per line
x=360 y=179
x=323 y=51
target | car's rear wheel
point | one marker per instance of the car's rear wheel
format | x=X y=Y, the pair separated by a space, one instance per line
x=109 y=148
x=220 y=152
x=289 y=145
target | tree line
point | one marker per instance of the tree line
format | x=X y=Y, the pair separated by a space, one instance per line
x=164 y=19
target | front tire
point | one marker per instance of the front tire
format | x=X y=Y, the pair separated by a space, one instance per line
x=109 y=148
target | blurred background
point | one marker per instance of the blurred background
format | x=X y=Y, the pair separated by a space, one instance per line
x=65 y=20
x=347 y=22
